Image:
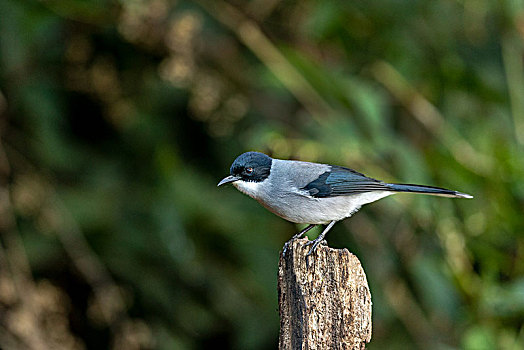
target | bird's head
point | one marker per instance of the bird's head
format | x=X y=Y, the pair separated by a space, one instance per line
x=249 y=167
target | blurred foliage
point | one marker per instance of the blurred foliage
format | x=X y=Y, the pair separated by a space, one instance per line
x=119 y=118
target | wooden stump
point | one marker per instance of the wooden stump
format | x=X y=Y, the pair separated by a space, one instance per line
x=324 y=301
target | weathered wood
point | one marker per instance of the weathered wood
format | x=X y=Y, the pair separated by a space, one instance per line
x=324 y=301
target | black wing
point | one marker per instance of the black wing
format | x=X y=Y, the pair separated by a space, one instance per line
x=340 y=181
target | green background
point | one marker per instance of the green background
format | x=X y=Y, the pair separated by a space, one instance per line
x=118 y=119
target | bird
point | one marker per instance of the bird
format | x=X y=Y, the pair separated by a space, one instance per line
x=313 y=193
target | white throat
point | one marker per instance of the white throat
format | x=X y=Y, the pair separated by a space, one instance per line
x=250 y=188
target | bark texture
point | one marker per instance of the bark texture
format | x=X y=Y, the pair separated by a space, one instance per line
x=324 y=301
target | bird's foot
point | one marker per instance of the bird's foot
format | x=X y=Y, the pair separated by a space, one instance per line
x=288 y=243
x=315 y=243
x=297 y=236
x=319 y=239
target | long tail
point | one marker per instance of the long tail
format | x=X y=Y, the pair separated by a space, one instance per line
x=435 y=191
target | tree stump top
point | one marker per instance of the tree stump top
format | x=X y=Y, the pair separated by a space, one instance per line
x=324 y=300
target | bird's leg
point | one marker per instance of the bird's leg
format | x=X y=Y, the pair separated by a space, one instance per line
x=320 y=238
x=296 y=236
x=303 y=232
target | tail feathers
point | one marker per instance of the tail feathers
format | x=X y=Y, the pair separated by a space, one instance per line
x=435 y=191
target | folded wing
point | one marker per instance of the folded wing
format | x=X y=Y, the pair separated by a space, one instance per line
x=340 y=181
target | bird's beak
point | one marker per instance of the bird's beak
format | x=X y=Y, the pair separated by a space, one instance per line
x=228 y=179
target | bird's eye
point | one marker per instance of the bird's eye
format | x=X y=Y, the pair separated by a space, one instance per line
x=249 y=170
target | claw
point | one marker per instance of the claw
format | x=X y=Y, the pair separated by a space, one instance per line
x=315 y=244
x=284 y=249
